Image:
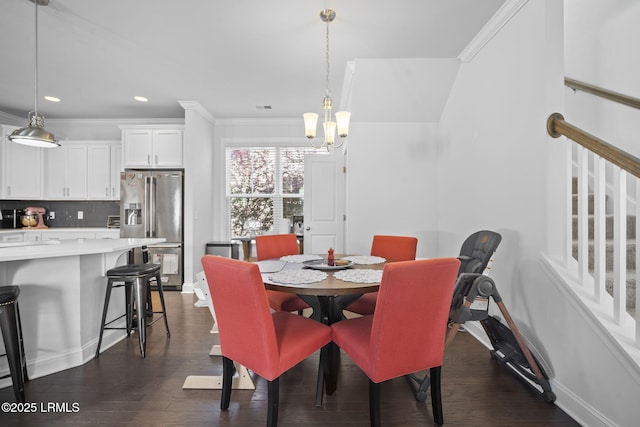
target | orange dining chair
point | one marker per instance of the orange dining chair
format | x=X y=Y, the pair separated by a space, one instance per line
x=406 y=334
x=267 y=343
x=391 y=248
x=275 y=246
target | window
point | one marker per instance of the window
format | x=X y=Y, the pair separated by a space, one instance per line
x=263 y=185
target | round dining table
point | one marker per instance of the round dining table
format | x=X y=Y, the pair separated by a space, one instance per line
x=328 y=296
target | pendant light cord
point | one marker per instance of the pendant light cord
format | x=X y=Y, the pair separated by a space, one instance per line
x=35 y=2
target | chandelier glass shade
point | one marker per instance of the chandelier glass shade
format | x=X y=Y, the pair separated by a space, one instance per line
x=330 y=125
x=34 y=134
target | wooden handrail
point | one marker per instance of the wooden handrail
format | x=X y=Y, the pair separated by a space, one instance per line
x=557 y=126
x=603 y=93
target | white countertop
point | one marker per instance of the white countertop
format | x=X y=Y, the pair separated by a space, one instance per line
x=13 y=251
x=58 y=229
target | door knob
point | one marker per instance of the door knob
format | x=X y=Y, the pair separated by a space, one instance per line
x=308 y=228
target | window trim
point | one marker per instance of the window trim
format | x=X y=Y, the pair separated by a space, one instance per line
x=267 y=142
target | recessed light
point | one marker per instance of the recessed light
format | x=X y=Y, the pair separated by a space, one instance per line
x=140 y=98
x=52 y=98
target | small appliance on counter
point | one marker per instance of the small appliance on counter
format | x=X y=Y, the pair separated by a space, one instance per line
x=113 y=221
x=34 y=217
x=11 y=218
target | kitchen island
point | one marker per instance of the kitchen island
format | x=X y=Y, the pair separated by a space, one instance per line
x=62 y=286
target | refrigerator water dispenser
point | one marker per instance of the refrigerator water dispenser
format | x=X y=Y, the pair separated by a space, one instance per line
x=133 y=214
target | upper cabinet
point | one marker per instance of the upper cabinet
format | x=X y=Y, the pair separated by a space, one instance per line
x=116 y=168
x=152 y=147
x=103 y=179
x=66 y=172
x=21 y=169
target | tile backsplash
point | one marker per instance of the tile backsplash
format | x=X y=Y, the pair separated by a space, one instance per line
x=94 y=213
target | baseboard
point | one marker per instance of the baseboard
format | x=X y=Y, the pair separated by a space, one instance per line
x=187 y=288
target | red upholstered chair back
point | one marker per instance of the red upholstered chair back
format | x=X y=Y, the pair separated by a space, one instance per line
x=245 y=325
x=276 y=246
x=394 y=248
x=410 y=321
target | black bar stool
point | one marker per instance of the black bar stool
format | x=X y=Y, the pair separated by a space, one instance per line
x=12 y=336
x=135 y=278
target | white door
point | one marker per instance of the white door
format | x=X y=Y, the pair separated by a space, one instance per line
x=324 y=203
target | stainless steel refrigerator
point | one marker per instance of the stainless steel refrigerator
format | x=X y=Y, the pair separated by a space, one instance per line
x=151 y=205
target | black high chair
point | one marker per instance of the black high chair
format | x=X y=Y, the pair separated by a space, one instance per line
x=470 y=302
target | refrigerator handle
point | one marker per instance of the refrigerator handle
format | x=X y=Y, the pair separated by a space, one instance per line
x=152 y=204
x=147 y=205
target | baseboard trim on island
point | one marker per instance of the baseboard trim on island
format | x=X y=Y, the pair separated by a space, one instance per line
x=62 y=291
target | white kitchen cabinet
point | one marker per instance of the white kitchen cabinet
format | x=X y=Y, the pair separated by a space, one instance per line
x=66 y=172
x=68 y=235
x=152 y=147
x=12 y=237
x=116 y=168
x=21 y=169
x=99 y=172
x=103 y=180
x=32 y=236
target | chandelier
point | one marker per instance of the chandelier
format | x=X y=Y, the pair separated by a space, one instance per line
x=341 y=122
x=35 y=134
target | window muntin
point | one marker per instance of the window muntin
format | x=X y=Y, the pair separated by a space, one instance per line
x=263 y=185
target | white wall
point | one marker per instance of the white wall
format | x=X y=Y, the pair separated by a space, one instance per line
x=494 y=162
x=391 y=184
x=198 y=186
x=402 y=90
x=602 y=49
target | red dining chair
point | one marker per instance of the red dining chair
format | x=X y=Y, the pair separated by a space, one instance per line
x=392 y=248
x=275 y=246
x=406 y=334
x=267 y=343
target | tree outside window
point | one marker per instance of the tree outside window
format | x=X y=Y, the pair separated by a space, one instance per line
x=263 y=185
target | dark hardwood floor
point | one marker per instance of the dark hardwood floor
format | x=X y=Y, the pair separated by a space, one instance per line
x=120 y=388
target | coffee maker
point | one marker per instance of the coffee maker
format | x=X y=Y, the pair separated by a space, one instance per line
x=34 y=217
x=11 y=218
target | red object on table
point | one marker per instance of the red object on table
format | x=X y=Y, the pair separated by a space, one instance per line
x=330 y=259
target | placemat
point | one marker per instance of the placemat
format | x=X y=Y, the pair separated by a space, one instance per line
x=297 y=277
x=299 y=258
x=365 y=259
x=359 y=276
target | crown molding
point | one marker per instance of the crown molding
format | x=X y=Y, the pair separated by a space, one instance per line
x=198 y=108
x=10 y=119
x=491 y=28
x=260 y=122
x=113 y=122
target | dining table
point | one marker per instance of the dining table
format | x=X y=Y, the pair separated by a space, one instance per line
x=327 y=290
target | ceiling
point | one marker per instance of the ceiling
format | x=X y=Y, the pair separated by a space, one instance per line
x=231 y=56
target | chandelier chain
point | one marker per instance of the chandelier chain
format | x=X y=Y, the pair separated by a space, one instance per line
x=327 y=90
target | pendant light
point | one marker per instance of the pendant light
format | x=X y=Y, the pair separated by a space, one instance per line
x=341 y=122
x=34 y=134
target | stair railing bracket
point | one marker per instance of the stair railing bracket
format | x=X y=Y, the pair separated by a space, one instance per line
x=551 y=128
